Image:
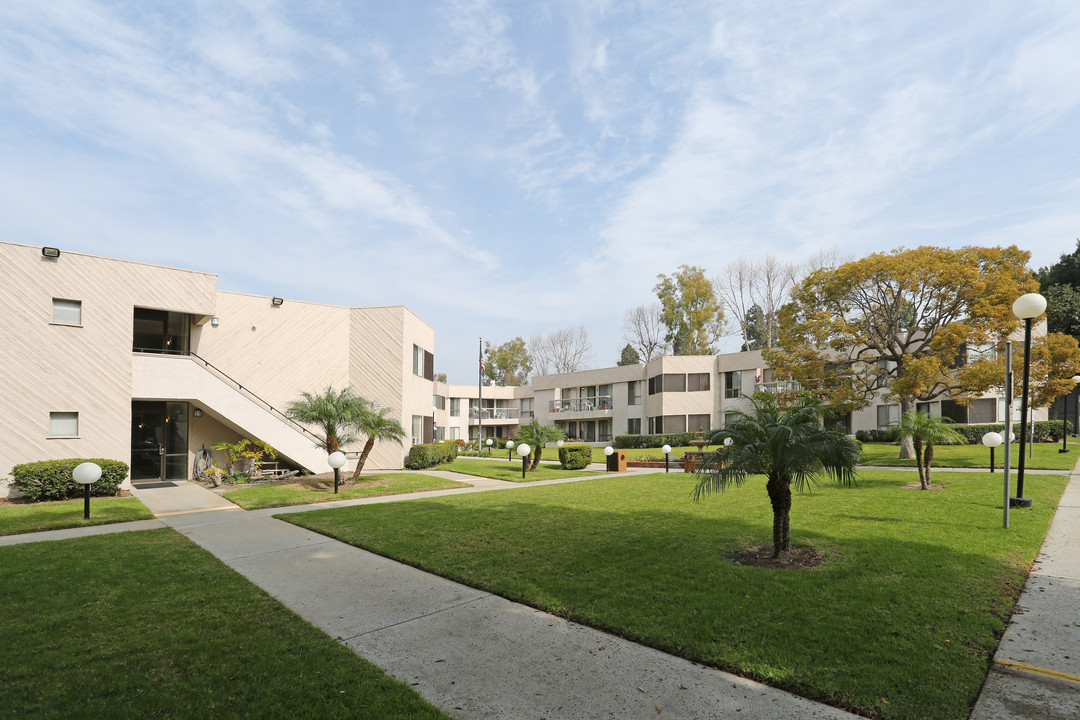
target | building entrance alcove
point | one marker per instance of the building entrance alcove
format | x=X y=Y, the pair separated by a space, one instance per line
x=159 y=441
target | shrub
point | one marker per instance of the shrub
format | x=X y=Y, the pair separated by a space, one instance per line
x=1045 y=431
x=575 y=457
x=623 y=442
x=430 y=455
x=52 y=480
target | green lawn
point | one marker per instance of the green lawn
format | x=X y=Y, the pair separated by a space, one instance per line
x=305 y=492
x=35 y=517
x=148 y=625
x=511 y=471
x=900 y=621
x=1046 y=456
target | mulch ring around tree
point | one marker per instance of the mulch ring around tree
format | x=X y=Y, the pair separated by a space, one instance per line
x=795 y=558
x=916 y=486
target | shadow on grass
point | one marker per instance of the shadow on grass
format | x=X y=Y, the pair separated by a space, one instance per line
x=900 y=621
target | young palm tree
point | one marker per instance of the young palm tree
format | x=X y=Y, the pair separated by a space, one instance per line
x=377 y=426
x=786 y=445
x=926 y=431
x=536 y=436
x=336 y=413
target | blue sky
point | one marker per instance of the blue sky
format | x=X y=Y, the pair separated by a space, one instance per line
x=511 y=168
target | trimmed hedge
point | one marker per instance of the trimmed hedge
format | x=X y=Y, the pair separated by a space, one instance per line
x=1045 y=431
x=430 y=455
x=575 y=457
x=623 y=442
x=52 y=480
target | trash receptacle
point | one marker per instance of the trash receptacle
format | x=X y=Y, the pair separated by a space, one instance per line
x=616 y=461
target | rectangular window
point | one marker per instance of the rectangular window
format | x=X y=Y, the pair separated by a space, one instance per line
x=633 y=426
x=655 y=384
x=455 y=407
x=417 y=360
x=67 y=312
x=64 y=424
x=733 y=384
x=455 y=433
x=954 y=411
x=633 y=392
x=933 y=409
x=729 y=418
x=698 y=422
x=438 y=401
x=674 y=383
x=982 y=411
x=656 y=425
x=417 y=429
x=696 y=382
x=887 y=415
x=674 y=423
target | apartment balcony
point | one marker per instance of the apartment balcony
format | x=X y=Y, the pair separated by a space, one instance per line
x=584 y=408
x=498 y=416
x=784 y=386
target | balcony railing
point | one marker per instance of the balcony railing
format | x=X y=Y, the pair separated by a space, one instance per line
x=780 y=386
x=494 y=414
x=583 y=405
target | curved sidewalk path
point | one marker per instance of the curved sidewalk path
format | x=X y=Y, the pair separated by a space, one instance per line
x=471 y=653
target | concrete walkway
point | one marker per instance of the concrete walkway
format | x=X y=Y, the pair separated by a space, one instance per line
x=471 y=653
x=1036 y=670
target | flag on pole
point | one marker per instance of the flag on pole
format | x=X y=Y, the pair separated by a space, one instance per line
x=481 y=362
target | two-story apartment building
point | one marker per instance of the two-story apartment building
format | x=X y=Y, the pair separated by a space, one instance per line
x=110 y=358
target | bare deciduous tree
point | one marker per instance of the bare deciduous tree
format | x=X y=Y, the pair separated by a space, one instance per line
x=644 y=330
x=560 y=351
x=735 y=288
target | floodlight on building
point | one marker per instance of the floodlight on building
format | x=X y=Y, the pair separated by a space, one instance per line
x=277 y=302
x=50 y=252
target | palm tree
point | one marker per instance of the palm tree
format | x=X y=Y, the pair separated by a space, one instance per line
x=377 y=425
x=337 y=414
x=786 y=445
x=536 y=436
x=926 y=431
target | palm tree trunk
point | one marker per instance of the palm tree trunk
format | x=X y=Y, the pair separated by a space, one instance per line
x=919 y=463
x=779 y=490
x=363 y=458
x=536 y=458
x=928 y=457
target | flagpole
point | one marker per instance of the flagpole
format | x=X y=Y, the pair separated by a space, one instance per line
x=480 y=402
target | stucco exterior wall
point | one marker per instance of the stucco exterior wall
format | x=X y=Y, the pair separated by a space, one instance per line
x=47 y=367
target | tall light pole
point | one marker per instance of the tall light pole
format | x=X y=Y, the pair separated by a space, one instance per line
x=1065 y=417
x=1027 y=308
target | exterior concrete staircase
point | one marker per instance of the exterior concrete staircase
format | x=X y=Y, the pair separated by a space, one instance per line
x=191 y=378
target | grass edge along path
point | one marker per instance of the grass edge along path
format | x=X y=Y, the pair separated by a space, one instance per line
x=20 y=518
x=976 y=457
x=511 y=471
x=306 y=492
x=148 y=624
x=900 y=621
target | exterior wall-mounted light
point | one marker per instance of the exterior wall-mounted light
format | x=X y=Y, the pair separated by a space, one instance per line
x=276 y=302
x=214 y=322
x=50 y=252
x=197 y=412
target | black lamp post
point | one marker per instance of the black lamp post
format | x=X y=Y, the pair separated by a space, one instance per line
x=523 y=450
x=1027 y=308
x=336 y=460
x=86 y=474
x=992 y=440
x=509 y=450
x=667 y=457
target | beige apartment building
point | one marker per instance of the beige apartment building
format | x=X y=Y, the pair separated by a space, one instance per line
x=125 y=360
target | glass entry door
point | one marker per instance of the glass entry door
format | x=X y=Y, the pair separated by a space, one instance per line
x=159 y=441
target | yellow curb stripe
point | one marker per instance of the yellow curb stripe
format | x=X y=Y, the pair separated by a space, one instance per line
x=188 y=512
x=1036 y=670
